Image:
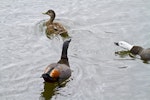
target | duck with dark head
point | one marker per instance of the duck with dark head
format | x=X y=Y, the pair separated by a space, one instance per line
x=60 y=71
x=54 y=27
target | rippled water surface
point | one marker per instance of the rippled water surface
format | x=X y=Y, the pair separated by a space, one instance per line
x=94 y=25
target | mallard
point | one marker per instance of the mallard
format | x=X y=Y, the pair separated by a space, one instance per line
x=135 y=50
x=60 y=71
x=54 y=27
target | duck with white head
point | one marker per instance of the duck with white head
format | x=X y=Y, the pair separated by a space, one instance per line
x=135 y=50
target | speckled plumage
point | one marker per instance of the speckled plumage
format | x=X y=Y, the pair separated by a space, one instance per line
x=54 y=27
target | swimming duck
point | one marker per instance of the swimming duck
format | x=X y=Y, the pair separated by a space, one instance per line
x=135 y=50
x=60 y=71
x=54 y=27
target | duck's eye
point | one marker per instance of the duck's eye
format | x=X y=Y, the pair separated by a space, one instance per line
x=49 y=11
x=121 y=43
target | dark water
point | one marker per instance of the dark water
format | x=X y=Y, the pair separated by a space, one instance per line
x=97 y=72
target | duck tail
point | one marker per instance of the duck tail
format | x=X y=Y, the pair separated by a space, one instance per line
x=64 y=57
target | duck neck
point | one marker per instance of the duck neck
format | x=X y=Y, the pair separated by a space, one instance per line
x=64 y=57
x=52 y=17
x=136 y=50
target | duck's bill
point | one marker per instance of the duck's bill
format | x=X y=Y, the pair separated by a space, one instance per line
x=116 y=43
x=44 y=13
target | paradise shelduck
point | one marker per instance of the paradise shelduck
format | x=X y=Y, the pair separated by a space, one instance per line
x=60 y=71
x=135 y=50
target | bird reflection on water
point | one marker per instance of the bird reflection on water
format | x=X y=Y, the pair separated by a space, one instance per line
x=51 y=89
x=125 y=53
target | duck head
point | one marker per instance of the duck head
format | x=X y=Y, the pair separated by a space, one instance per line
x=51 y=13
x=124 y=45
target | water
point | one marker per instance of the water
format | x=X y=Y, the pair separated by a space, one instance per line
x=97 y=73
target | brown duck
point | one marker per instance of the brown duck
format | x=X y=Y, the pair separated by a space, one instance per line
x=60 y=71
x=54 y=27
